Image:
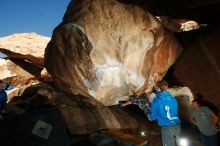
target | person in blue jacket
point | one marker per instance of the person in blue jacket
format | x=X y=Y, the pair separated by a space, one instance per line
x=3 y=98
x=164 y=109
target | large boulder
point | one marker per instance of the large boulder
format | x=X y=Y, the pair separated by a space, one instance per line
x=199 y=65
x=82 y=115
x=23 y=59
x=104 y=48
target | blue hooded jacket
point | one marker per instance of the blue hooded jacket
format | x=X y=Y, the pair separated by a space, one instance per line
x=165 y=109
x=3 y=100
x=3 y=94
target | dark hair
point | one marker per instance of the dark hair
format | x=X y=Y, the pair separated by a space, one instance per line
x=1 y=81
x=199 y=95
x=163 y=85
x=199 y=99
x=155 y=89
x=206 y=103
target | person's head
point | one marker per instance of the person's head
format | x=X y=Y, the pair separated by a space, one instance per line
x=133 y=92
x=198 y=95
x=162 y=85
x=198 y=101
x=1 y=84
x=155 y=89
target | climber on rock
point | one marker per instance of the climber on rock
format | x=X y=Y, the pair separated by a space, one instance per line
x=144 y=101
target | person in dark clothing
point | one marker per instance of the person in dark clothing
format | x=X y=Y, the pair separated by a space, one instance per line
x=3 y=98
x=208 y=104
x=205 y=120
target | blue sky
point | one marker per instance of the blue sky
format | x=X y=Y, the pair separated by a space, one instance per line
x=40 y=16
x=2 y=55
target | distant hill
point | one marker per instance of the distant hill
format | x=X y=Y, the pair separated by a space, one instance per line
x=25 y=43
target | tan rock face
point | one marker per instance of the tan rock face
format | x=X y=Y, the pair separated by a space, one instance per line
x=4 y=69
x=104 y=48
x=24 y=50
x=25 y=43
x=178 y=25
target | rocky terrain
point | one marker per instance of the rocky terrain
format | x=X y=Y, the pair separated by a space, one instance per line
x=104 y=48
x=21 y=50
